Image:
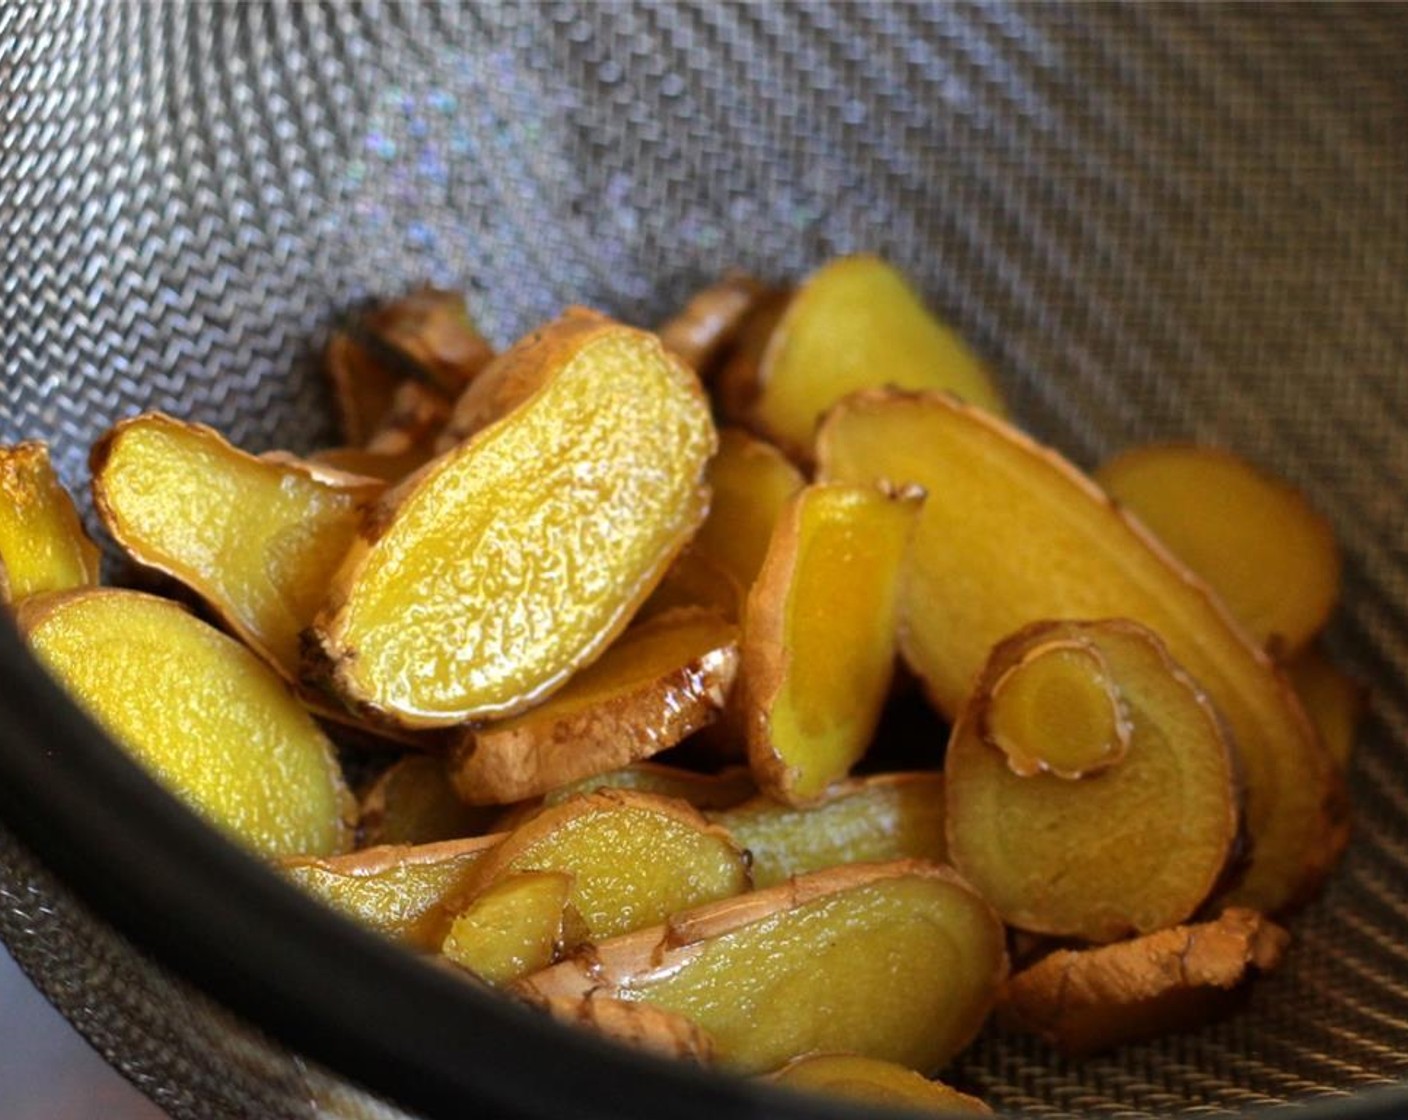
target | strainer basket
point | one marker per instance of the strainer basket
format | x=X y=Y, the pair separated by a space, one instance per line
x=1155 y=221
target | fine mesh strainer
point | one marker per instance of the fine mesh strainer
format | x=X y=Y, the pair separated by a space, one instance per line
x=1155 y=221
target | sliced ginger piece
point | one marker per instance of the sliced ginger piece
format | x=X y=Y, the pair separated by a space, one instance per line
x=257 y=538
x=751 y=482
x=856 y=324
x=402 y=443
x=517 y=926
x=636 y=858
x=43 y=546
x=1083 y=1001
x=363 y=390
x=495 y=573
x=1252 y=537
x=899 y=961
x=694 y=580
x=819 y=635
x=413 y=802
x=200 y=713
x=710 y=321
x=864 y=820
x=637 y=1025
x=432 y=330
x=399 y=890
x=659 y=682
x=1135 y=848
x=1009 y=534
x=873 y=1081
x=1335 y=701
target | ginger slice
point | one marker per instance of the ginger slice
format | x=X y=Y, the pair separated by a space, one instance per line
x=636 y=858
x=1057 y=710
x=1335 y=701
x=904 y=958
x=432 y=330
x=198 y=711
x=1252 y=537
x=864 y=820
x=751 y=482
x=257 y=538
x=694 y=580
x=515 y=927
x=492 y=575
x=413 y=802
x=635 y=1024
x=363 y=390
x=1011 y=533
x=1083 y=1001
x=402 y=443
x=856 y=324
x=1135 y=848
x=819 y=635
x=43 y=546
x=659 y=682
x=853 y=1077
x=401 y=891
x=710 y=321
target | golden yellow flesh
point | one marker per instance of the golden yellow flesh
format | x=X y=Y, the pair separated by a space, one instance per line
x=1255 y=540
x=1010 y=534
x=819 y=635
x=42 y=543
x=852 y=1077
x=896 y=961
x=704 y=791
x=635 y=858
x=1335 y=701
x=258 y=539
x=516 y=557
x=200 y=712
x=512 y=929
x=1058 y=711
x=866 y=820
x=856 y=324
x=400 y=891
x=751 y=481
x=413 y=802
x=1133 y=849
x=658 y=683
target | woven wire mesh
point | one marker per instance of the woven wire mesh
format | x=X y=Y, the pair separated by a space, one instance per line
x=1155 y=221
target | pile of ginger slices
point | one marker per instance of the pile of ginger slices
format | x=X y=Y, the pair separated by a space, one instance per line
x=624 y=609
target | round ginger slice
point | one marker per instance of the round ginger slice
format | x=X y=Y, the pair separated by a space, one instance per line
x=202 y=714
x=492 y=575
x=1138 y=846
x=872 y=1081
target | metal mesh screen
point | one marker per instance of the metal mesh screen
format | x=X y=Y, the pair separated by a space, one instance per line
x=1155 y=221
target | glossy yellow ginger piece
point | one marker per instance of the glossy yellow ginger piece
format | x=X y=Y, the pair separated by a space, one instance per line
x=819 y=635
x=864 y=820
x=1010 y=534
x=856 y=324
x=200 y=712
x=751 y=482
x=413 y=802
x=899 y=961
x=431 y=329
x=1136 y=847
x=635 y=1024
x=694 y=580
x=42 y=543
x=1058 y=710
x=706 y=792
x=872 y=1081
x=635 y=858
x=1335 y=701
x=710 y=321
x=517 y=926
x=1254 y=538
x=258 y=539
x=401 y=891
x=491 y=576
x=659 y=682
x=363 y=389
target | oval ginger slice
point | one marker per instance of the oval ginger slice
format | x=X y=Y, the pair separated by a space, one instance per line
x=42 y=543
x=1010 y=533
x=660 y=681
x=515 y=927
x=506 y=564
x=904 y=958
x=819 y=635
x=200 y=712
x=1255 y=539
x=853 y=1077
